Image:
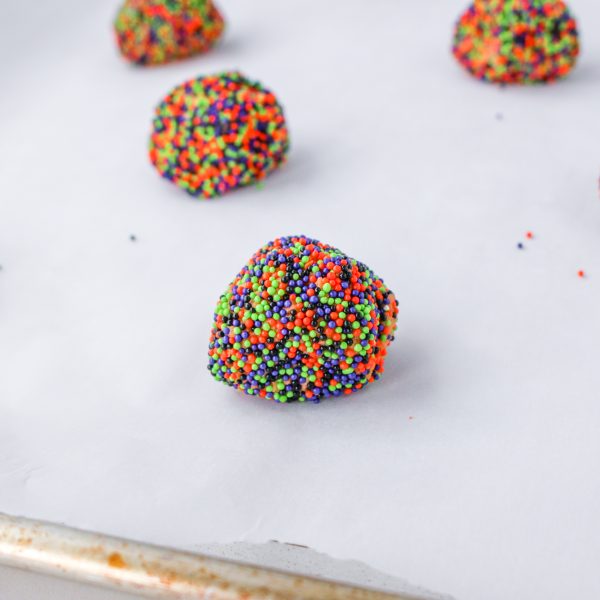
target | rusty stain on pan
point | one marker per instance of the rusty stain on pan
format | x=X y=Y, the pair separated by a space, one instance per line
x=152 y=571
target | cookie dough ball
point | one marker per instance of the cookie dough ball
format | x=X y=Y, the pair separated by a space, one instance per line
x=151 y=32
x=214 y=134
x=302 y=321
x=517 y=41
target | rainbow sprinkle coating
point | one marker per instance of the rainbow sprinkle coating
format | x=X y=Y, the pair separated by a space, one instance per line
x=152 y=32
x=214 y=134
x=302 y=321
x=517 y=41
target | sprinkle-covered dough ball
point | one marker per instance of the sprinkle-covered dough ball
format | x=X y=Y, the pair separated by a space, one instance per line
x=214 y=134
x=151 y=32
x=302 y=321
x=517 y=41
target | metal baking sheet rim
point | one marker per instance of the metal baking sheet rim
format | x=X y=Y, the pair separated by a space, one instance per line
x=154 y=571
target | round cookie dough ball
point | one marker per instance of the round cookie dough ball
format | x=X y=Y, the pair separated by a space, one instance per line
x=302 y=321
x=151 y=32
x=214 y=134
x=517 y=41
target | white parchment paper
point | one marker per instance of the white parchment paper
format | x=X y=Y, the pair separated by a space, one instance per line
x=471 y=468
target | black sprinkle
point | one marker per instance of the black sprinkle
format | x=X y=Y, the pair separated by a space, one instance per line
x=133 y=238
x=520 y=246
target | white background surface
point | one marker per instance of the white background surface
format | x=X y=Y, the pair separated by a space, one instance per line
x=23 y=585
x=109 y=419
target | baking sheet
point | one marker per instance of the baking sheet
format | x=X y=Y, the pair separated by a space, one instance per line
x=471 y=467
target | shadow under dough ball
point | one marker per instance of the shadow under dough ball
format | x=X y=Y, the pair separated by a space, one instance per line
x=152 y=32
x=302 y=321
x=218 y=133
x=517 y=41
